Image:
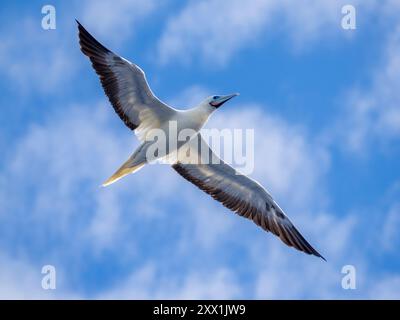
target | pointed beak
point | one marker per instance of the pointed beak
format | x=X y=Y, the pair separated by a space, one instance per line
x=221 y=100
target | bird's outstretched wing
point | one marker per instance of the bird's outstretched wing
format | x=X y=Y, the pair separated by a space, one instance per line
x=246 y=197
x=125 y=85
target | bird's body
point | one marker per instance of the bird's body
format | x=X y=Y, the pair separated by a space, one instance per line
x=175 y=123
x=194 y=119
x=127 y=89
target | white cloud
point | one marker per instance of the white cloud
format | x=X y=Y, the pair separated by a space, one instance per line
x=52 y=180
x=145 y=284
x=50 y=196
x=44 y=61
x=54 y=174
x=106 y=223
x=35 y=59
x=313 y=279
x=189 y=97
x=118 y=19
x=390 y=238
x=386 y=289
x=389 y=220
x=215 y=30
x=373 y=114
x=21 y=280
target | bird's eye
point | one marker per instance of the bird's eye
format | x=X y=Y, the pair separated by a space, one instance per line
x=215 y=97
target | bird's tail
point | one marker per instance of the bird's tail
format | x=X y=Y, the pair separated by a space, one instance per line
x=127 y=168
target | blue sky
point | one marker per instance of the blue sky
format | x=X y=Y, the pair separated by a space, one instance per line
x=324 y=104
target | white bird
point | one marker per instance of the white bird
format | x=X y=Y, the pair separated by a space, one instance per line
x=129 y=93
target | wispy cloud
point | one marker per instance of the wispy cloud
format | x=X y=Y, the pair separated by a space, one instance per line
x=119 y=19
x=34 y=59
x=59 y=162
x=373 y=114
x=38 y=61
x=214 y=30
x=56 y=193
x=50 y=195
x=21 y=279
x=145 y=284
x=390 y=236
x=387 y=288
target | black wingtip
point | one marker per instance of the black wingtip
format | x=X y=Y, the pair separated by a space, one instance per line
x=81 y=28
x=87 y=40
x=317 y=254
x=322 y=257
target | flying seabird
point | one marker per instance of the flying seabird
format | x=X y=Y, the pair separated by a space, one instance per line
x=127 y=89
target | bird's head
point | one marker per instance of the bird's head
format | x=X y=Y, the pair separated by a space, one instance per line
x=217 y=101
